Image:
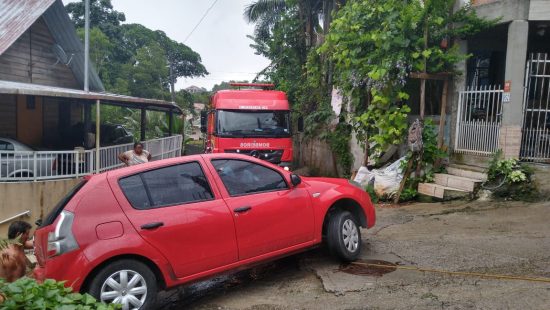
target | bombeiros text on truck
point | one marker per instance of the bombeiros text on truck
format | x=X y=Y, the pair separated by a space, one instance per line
x=253 y=119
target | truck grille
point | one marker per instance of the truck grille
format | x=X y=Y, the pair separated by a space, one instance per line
x=272 y=156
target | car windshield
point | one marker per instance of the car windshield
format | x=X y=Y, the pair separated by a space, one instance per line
x=253 y=123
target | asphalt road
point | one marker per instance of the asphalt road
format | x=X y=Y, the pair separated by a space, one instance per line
x=482 y=237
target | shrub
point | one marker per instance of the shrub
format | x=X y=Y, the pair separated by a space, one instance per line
x=510 y=179
x=26 y=293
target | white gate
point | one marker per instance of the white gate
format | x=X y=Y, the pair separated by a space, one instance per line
x=535 y=142
x=478 y=120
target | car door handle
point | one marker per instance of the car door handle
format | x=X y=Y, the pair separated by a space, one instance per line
x=152 y=225
x=242 y=209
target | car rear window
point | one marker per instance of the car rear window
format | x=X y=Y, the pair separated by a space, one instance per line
x=50 y=218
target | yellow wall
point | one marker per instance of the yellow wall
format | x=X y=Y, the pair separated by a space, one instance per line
x=29 y=122
x=38 y=197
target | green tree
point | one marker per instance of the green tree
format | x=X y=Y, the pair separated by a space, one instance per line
x=375 y=44
x=101 y=50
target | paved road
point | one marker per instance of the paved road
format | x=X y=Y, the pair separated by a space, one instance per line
x=488 y=237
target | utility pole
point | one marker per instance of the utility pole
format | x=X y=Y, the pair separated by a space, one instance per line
x=86 y=43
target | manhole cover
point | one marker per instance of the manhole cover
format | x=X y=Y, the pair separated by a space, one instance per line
x=369 y=267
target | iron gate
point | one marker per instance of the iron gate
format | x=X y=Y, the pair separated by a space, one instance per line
x=478 y=120
x=535 y=141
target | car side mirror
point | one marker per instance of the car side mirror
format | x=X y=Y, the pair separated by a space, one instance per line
x=300 y=124
x=204 y=119
x=295 y=179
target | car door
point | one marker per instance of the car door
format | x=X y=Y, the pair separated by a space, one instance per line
x=177 y=210
x=269 y=215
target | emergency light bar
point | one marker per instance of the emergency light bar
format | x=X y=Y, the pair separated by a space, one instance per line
x=253 y=85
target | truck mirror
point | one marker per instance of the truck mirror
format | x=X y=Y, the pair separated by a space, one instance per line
x=300 y=124
x=204 y=119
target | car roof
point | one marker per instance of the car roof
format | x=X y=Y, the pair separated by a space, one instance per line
x=122 y=172
x=19 y=146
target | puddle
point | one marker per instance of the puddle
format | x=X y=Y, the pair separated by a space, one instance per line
x=369 y=267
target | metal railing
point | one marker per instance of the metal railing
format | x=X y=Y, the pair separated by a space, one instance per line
x=478 y=120
x=535 y=142
x=49 y=165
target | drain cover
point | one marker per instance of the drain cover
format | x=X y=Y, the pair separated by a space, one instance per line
x=369 y=267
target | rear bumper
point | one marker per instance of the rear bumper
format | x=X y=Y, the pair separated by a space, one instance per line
x=71 y=267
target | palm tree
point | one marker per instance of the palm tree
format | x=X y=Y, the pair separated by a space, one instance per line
x=266 y=13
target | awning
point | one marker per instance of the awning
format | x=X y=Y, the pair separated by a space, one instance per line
x=17 y=88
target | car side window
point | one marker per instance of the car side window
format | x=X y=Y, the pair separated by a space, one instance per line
x=6 y=146
x=242 y=177
x=174 y=185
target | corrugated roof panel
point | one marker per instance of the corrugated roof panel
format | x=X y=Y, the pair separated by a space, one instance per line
x=16 y=16
x=64 y=33
x=17 y=88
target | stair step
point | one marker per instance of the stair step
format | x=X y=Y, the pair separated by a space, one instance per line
x=467 y=173
x=458 y=182
x=441 y=192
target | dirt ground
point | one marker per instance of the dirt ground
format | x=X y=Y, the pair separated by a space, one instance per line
x=483 y=237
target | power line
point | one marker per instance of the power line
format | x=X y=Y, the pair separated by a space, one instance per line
x=200 y=21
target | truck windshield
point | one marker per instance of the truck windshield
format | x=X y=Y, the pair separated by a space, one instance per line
x=253 y=123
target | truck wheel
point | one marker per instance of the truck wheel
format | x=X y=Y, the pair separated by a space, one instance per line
x=344 y=236
x=127 y=282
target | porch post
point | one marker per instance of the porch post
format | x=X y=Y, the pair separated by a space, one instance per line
x=170 y=123
x=87 y=124
x=512 y=111
x=97 y=134
x=143 y=124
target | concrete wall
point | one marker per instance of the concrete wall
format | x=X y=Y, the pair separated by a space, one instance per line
x=38 y=197
x=506 y=10
x=539 y=10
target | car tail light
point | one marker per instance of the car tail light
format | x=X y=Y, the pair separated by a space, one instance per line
x=62 y=240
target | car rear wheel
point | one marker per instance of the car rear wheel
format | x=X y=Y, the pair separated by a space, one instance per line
x=344 y=236
x=127 y=282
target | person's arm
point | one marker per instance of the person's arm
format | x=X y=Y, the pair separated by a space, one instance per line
x=149 y=156
x=123 y=158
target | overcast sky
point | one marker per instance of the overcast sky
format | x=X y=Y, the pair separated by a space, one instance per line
x=220 y=39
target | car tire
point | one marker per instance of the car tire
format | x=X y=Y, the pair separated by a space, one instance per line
x=145 y=285
x=344 y=236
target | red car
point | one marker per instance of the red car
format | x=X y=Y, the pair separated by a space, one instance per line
x=124 y=234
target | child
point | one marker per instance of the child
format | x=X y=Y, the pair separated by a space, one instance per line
x=13 y=261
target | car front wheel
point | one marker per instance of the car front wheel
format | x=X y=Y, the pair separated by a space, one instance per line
x=126 y=282
x=344 y=236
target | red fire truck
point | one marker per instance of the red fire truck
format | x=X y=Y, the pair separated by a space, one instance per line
x=253 y=119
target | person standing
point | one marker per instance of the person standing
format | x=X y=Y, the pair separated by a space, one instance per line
x=135 y=156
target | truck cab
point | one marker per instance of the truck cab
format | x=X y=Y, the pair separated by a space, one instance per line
x=253 y=121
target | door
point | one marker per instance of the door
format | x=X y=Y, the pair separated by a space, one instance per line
x=177 y=211
x=269 y=214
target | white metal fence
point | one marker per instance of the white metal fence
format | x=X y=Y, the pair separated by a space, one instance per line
x=535 y=142
x=47 y=165
x=478 y=120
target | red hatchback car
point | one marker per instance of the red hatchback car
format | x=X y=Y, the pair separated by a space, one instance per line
x=124 y=234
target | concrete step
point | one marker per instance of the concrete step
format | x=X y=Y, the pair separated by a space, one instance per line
x=458 y=182
x=441 y=192
x=467 y=172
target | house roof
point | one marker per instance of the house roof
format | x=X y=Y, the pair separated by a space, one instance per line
x=17 y=88
x=19 y=15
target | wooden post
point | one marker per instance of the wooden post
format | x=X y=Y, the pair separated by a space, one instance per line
x=97 y=134
x=442 y=118
x=170 y=123
x=143 y=124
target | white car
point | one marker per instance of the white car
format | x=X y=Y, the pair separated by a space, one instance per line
x=17 y=161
